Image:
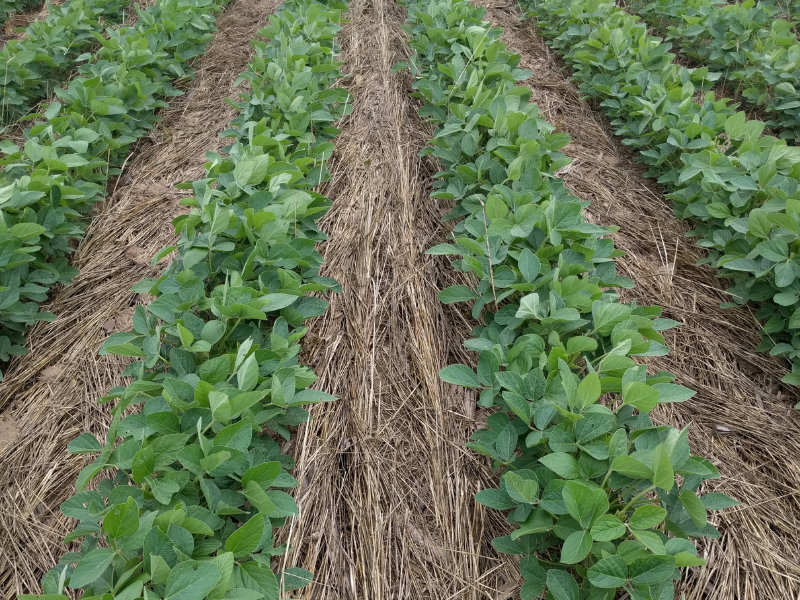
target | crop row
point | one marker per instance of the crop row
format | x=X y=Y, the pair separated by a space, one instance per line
x=602 y=500
x=34 y=66
x=738 y=187
x=198 y=476
x=756 y=51
x=51 y=183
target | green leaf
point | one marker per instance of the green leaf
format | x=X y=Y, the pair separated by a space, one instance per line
x=519 y=406
x=245 y=540
x=192 y=580
x=576 y=547
x=529 y=265
x=607 y=528
x=650 y=539
x=663 y=474
x=443 y=249
x=84 y=444
x=259 y=577
x=647 y=517
x=457 y=293
x=670 y=392
x=263 y=474
x=125 y=350
x=144 y=461
x=686 y=559
x=495 y=498
x=90 y=567
x=562 y=585
x=584 y=504
x=695 y=508
x=589 y=389
x=562 y=464
x=460 y=375
x=607 y=314
x=631 y=467
x=717 y=501
x=651 y=569
x=163 y=489
x=295 y=578
x=609 y=573
x=520 y=488
x=258 y=498
x=123 y=520
x=224 y=562
x=640 y=395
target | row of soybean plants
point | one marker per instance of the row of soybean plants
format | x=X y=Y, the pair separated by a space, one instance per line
x=34 y=66
x=756 y=51
x=198 y=474
x=50 y=184
x=739 y=188
x=9 y=7
x=601 y=500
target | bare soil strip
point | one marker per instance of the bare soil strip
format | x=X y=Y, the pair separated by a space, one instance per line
x=49 y=396
x=17 y=21
x=741 y=417
x=386 y=496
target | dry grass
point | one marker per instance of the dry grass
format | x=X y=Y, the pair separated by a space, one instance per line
x=741 y=418
x=386 y=507
x=49 y=396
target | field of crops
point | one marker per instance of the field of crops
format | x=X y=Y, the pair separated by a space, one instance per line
x=375 y=299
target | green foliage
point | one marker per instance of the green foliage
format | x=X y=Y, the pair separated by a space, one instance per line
x=198 y=474
x=739 y=187
x=8 y=7
x=77 y=144
x=756 y=51
x=33 y=67
x=601 y=498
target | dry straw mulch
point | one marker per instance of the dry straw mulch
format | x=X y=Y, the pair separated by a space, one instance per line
x=741 y=418
x=49 y=396
x=386 y=507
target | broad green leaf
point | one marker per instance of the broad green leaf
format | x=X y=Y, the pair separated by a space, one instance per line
x=244 y=540
x=529 y=265
x=663 y=474
x=192 y=580
x=123 y=520
x=562 y=585
x=460 y=375
x=607 y=528
x=589 y=389
x=562 y=464
x=584 y=504
x=495 y=498
x=263 y=474
x=631 y=467
x=652 y=569
x=647 y=517
x=576 y=547
x=609 y=573
x=84 y=444
x=695 y=508
x=640 y=395
x=457 y=293
x=90 y=567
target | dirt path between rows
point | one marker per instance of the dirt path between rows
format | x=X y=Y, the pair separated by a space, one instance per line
x=741 y=417
x=49 y=396
x=386 y=497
